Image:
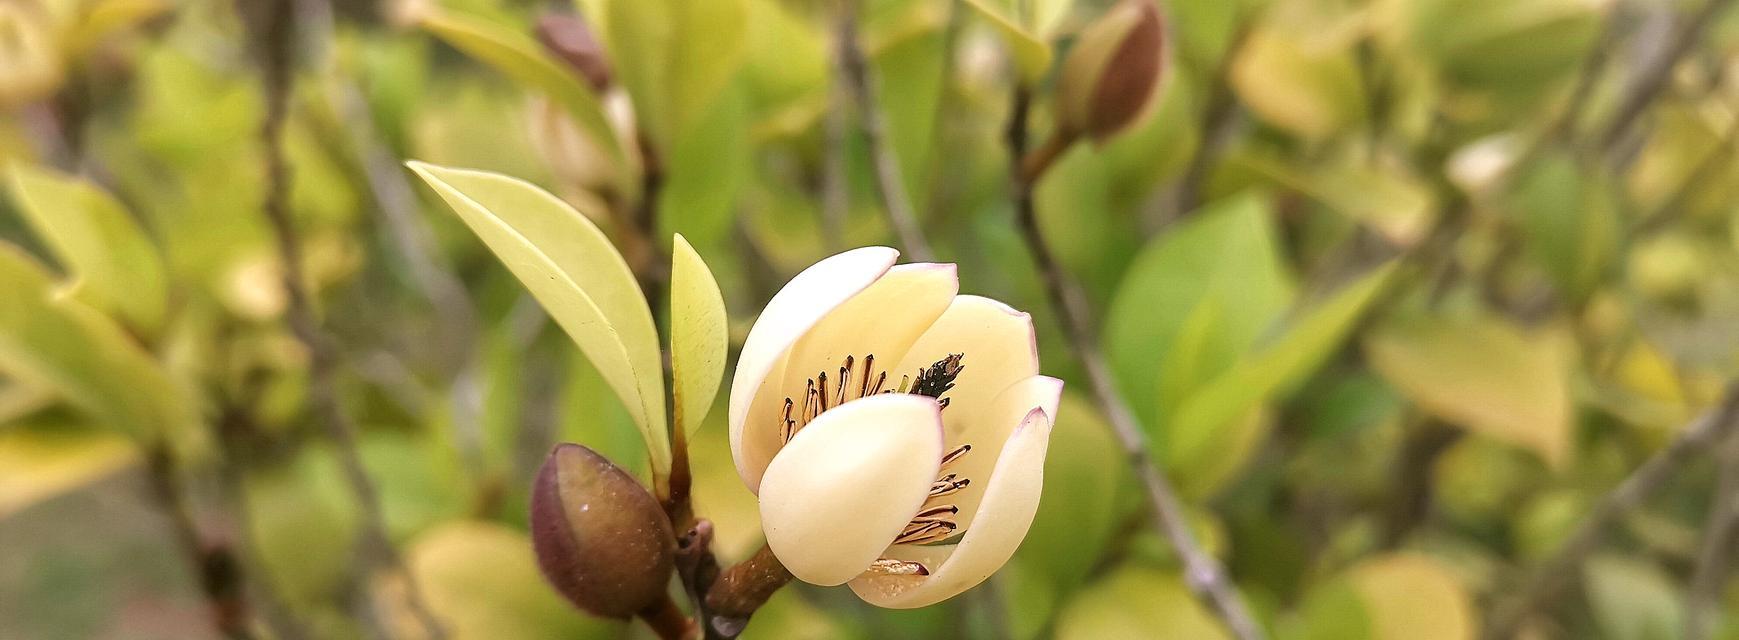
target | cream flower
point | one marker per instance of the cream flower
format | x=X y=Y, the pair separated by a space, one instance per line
x=894 y=431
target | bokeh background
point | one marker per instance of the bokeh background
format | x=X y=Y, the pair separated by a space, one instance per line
x=1401 y=291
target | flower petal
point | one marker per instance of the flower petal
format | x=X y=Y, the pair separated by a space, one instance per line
x=845 y=486
x=1010 y=502
x=991 y=429
x=1000 y=349
x=804 y=301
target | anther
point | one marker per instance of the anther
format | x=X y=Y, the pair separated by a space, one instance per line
x=892 y=567
x=951 y=456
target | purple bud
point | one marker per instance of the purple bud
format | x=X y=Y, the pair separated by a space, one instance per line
x=600 y=537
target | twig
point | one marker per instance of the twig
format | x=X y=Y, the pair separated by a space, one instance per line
x=1720 y=535
x=1217 y=117
x=1654 y=77
x=1550 y=578
x=835 y=183
x=272 y=26
x=1204 y=575
x=414 y=241
x=214 y=563
x=742 y=589
x=854 y=70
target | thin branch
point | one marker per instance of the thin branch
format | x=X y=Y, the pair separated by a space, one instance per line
x=272 y=24
x=1550 y=578
x=1203 y=574
x=1654 y=76
x=1215 y=126
x=1720 y=536
x=215 y=565
x=854 y=70
x=835 y=183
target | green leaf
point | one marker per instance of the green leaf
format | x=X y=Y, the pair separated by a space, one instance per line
x=524 y=61
x=1633 y=599
x=707 y=169
x=1032 y=55
x=114 y=265
x=674 y=56
x=481 y=581
x=1078 y=509
x=1226 y=253
x=1482 y=374
x=61 y=344
x=1137 y=603
x=699 y=335
x=580 y=279
x=1198 y=429
x=1569 y=221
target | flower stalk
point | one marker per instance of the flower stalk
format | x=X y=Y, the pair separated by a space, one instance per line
x=1204 y=575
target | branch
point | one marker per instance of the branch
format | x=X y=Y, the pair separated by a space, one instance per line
x=1203 y=574
x=214 y=563
x=272 y=31
x=1720 y=536
x=854 y=69
x=1654 y=76
x=1560 y=570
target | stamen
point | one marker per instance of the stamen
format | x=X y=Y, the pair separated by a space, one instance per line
x=844 y=377
x=946 y=459
x=892 y=567
x=881 y=379
x=821 y=383
x=936 y=514
x=869 y=361
x=926 y=532
x=947 y=484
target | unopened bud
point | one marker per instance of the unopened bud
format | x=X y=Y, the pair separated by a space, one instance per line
x=568 y=38
x=1111 y=76
x=600 y=538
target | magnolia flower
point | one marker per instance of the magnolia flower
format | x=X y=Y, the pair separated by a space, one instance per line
x=894 y=431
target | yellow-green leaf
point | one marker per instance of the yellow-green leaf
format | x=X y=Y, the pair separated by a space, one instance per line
x=699 y=334
x=40 y=462
x=1032 y=55
x=481 y=581
x=1482 y=374
x=61 y=344
x=519 y=58
x=113 y=263
x=578 y=276
x=1413 y=597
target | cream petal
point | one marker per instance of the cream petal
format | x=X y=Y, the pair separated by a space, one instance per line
x=1007 y=412
x=845 y=486
x=1010 y=502
x=1000 y=349
x=804 y=301
x=884 y=320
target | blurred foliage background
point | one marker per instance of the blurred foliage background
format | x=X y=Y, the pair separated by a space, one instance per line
x=1400 y=290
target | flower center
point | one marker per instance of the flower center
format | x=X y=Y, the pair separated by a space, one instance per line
x=935 y=520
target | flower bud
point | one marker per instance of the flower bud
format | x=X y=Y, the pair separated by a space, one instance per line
x=600 y=538
x=567 y=37
x=1111 y=76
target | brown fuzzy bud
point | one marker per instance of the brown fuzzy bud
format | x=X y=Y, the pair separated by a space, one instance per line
x=600 y=537
x=1112 y=74
x=568 y=38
